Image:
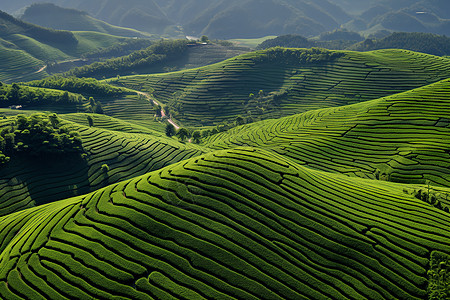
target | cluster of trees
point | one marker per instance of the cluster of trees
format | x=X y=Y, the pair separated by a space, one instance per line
x=119 y=49
x=197 y=136
x=347 y=40
x=37 y=135
x=296 y=41
x=22 y=95
x=432 y=197
x=153 y=56
x=95 y=106
x=416 y=41
x=293 y=57
x=183 y=134
x=90 y=86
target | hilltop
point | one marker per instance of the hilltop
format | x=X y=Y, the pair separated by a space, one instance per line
x=278 y=82
x=52 y=16
x=241 y=223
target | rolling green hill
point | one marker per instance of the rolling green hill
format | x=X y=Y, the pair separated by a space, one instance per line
x=402 y=138
x=26 y=49
x=233 y=224
x=52 y=16
x=127 y=151
x=279 y=82
x=160 y=57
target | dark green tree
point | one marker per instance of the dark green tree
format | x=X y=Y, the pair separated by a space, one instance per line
x=90 y=121
x=240 y=121
x=182 y=134
x=170 y=130
x=196 y=137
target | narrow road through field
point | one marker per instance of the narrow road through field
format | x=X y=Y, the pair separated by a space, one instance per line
x=41 y=69
x=163 y=113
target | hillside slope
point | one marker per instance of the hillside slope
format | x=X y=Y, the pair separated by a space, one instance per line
x=401 y=138
x=25 y=48
x=127 y=151
x=279 y=82
x=235 y=224
x=52 y=16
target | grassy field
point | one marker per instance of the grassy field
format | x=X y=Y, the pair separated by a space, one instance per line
x=287 y=81
x=233 y=224
x=401 y=138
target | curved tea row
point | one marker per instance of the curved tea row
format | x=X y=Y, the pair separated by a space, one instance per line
x=233 y=224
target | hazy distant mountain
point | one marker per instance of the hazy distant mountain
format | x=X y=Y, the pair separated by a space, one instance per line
x=405 y=15
x=215 y=18
x=225 y=19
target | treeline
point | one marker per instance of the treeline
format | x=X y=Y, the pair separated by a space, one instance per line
x=291 y=56
x=153 y=56
x=341 y=40
x=37 y=135
x=89 y=86
x=44 y=35
x=119 y=49
x=416 y=41
x=328 y=41
x=23 y=95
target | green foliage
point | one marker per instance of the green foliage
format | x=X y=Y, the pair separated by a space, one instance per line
x=39 y=135
x=90 y=121
x=24 y=95
x=439 y=276
x=297 y=41
x=183 y=134
x=420 y=42
x=89 y=86
x=196 y=137
x=95 y=106
x=153 y=56
x=170 y=130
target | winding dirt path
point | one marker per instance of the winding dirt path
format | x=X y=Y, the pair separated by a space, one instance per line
x=163 y=114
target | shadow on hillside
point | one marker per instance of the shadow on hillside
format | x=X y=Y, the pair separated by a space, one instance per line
x=32 y=181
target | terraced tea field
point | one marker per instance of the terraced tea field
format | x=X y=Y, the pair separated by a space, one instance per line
x=17 y=65
x=233 y=224
x=30 y=182
x=403 y=138
x=292 y=81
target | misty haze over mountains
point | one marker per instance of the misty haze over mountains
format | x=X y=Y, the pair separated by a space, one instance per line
x=225 y=19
